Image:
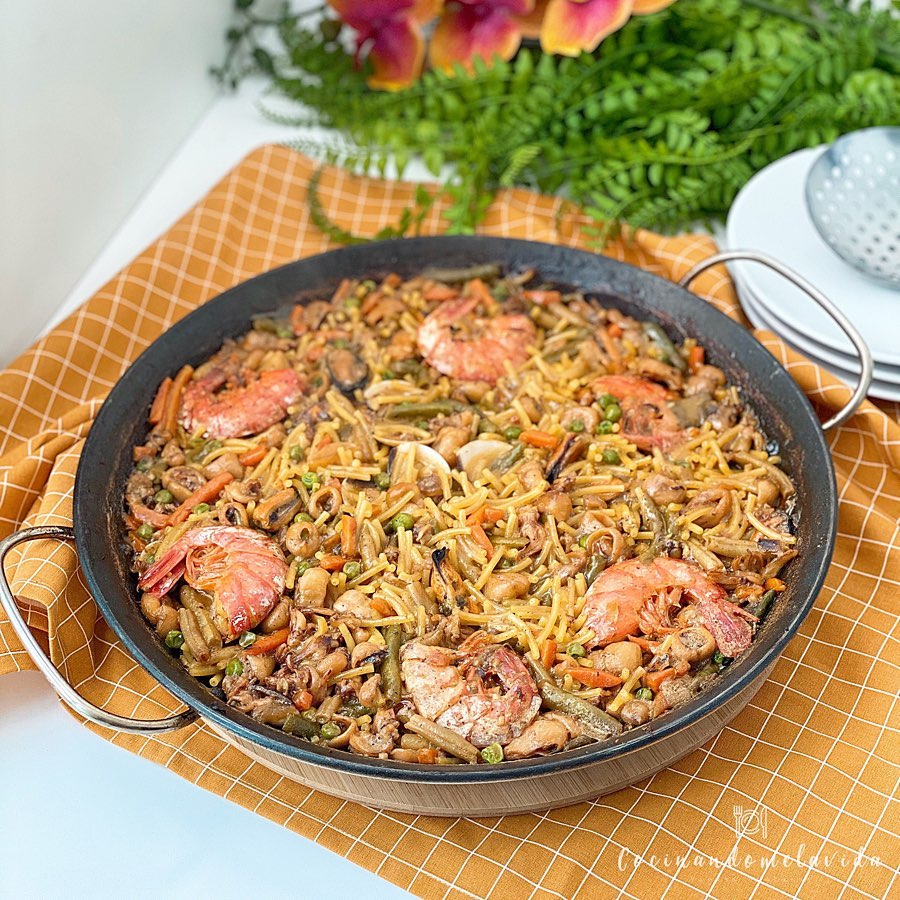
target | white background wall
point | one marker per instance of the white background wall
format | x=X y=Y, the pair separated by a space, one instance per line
x=94 y=97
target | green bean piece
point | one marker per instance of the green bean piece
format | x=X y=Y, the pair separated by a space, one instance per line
x=508 y=459
x=208 y=448
x=145 y=532
x=484 y=271
x=391 y=683
x=763 y=604
x=234 y=667
x=604 y=427
x=493 y=753
x=164 y=497
x=582 y=541
x=486 y=426
x=644 y=694
x=654 y=520
x=382 y=481
x=330 y=730
x=441 y=736
x=594 y=721
x=430 y=410
x=613 y=412
x=665 y=346
x=597 y=563
x=352 y=569
x=353 y=709
x=402 y=520
x=247 y=639
x=201 y=509
x=352 y=303
x=576 y=650
x=512 y=432
x=300 y=727
x=611 y=458
x=174 y=640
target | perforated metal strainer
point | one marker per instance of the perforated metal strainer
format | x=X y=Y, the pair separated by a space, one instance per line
x=853 y=197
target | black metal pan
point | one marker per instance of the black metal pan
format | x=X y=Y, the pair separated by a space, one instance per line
x=786 y=415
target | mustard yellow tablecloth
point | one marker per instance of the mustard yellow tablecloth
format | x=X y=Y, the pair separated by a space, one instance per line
x=795 y=798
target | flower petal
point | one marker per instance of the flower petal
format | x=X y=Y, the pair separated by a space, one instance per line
x=530 y=23
x=646 y=7
x=367 y=16
x=425 y=10
x=470 y=30
x=397 y=55
x=573 y=26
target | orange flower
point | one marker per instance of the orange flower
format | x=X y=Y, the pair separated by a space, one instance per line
x=571 y=27
x=646 y=7
x=477 y=28
x=389 y=31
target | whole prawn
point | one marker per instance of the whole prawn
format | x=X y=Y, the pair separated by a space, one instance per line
x=483 y=692
x=625 y=597
x=243 y=570
x=471 y=348
x=222 y=412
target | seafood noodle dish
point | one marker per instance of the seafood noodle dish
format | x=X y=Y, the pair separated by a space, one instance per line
x=465 y=517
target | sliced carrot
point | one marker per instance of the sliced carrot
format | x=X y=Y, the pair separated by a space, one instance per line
x=343 y=291
x=392 y=280
x=593 y=677
x=548 y=653
x=643 y=643
x=440 y=292
x=303 y=700
x=483 y=541
x=485 y=514
x=169 y=421
x=614 y=330
x=654 y=680
x=542 y=298
x=427 y=756
x=158 y=407
x=612 y=351
x=204 y=494
x=775 y=584
x=348 y=537
x=696 y=356
x=266 y=643
x=538 y=439
x=478 y=289
x=298 y=319
x=332 y=563
x=253 y=457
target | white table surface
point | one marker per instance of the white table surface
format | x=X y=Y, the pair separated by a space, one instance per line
x=83 y=809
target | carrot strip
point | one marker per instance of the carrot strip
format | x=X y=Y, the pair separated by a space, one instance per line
x=204 y=494
x=542 y=298
x=158 y=407
x=654 y=680
x=538 y=439
x=150 y=516
x=548 y=653
x=696 y=356
x=267 y=642
x=169 y=421
x=331 y=563
x=775 y=584
x=485 y=514
x=253 y=456
x=298 y=319
x=440 y=292
x=427 y=756
x=348 y=537
x=478 y=289
x=303 y=700
x=343 y=291
x=643 y=643
x=483 y=541
x=593 y=677
x=612 y=351
x=614 y=330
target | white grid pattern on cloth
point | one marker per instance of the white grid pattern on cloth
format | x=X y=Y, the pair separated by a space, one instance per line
x=256 y=218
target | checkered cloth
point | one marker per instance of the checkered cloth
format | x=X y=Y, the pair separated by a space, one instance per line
x=795 y=797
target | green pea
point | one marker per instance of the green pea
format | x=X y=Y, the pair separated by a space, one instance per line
x=352 y=303
x=302 y=566
x=613 y=412
x=422 y=423
x=208 y=448
x=164 y=496
x=296 y=453
x=605 y=427
x=611 y=458
x=310 y=479
x=234 y=667
x=340 y=344
x=644 y=694
x=388 y=375
x=201 y=509
x=486 y=426
x=582 y=541
x=512 y=432
x=607 y=400
x=303 y=517
x=576 y=650
x=352 y=569
x=283 y=332
x=174 y=640
x=369 y=285
x=144 y=465
x=493 y=753
x=330 y=730
x=145 y=532
x=247 y=639
x=720 y=659
x=402 y=520
x=150 y=559
x=383 y=481
x=576 y=425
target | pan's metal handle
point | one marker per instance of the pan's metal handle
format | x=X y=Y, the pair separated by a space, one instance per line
x=42 y=661
x=865 y=356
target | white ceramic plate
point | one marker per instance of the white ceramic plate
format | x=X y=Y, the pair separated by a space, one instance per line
x=883 y=390
x=769 y=214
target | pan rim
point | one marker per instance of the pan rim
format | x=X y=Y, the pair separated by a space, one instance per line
x=761 y=655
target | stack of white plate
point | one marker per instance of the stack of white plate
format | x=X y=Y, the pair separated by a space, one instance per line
x=770 y=215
